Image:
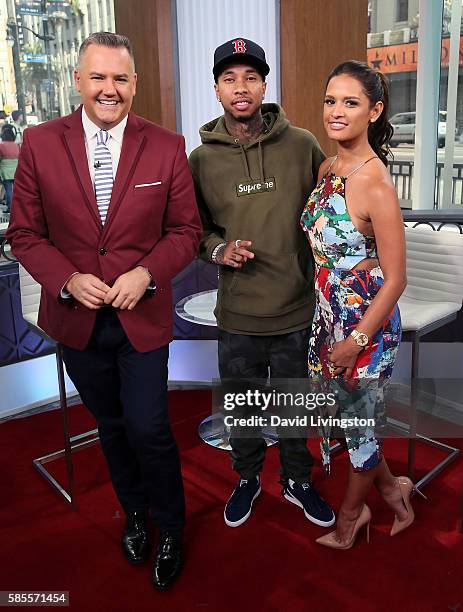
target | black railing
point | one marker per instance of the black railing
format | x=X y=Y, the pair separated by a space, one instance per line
x=437 y=219
x=402 y=175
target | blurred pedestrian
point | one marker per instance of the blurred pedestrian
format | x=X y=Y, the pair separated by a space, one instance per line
x=9 y=153
x=18 y=123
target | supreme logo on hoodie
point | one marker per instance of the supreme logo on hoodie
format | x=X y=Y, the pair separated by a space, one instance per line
x=248 y=188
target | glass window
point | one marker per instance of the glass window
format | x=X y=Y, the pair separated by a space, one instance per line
x=402 y=10
x=42 y=88
x=397 y=119
x=449 y=172
x=395 y=53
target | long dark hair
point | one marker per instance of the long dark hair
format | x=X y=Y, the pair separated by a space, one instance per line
x=376 y=88
x=8 y=133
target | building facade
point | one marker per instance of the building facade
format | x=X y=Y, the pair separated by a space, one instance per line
x=392 y=44
x=69 y=23
x=7 y=80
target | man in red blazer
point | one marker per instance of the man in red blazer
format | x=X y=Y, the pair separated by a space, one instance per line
x=104 y=217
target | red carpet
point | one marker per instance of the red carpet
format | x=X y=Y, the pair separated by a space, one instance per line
x=270 y=563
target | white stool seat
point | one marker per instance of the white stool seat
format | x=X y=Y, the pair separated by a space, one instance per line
x=417 y=314
x=434 y=278
x=30 y=297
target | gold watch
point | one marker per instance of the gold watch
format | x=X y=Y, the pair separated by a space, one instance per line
x=360 y=338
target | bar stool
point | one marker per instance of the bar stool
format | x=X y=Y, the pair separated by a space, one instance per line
x=30 y=300
x=433 y=298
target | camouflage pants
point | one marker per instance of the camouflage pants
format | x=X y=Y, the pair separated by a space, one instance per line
x=252 y=357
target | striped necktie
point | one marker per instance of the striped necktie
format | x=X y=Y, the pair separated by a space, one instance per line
x=103 y=174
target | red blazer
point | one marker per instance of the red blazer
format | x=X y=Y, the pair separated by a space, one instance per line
x=55 y=227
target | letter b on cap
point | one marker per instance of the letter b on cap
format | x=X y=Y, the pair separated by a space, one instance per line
x=239 y=45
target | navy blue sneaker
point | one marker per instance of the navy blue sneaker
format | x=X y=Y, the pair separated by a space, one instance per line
x=239 y=506
x=309 y=499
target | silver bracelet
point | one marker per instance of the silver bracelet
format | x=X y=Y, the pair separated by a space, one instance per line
x=218 y=251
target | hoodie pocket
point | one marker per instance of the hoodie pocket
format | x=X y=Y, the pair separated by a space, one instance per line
x=269 y=287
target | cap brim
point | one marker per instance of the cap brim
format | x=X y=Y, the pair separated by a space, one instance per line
x=241 y=58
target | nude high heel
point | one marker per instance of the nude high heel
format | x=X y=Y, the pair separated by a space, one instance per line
x=330 y=538
x=406 y=488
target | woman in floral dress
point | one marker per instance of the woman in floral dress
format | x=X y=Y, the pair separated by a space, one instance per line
x=354 y=225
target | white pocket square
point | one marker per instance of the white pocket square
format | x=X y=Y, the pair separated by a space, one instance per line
x=147 y=184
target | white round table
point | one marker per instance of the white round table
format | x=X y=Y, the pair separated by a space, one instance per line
x=199 y=308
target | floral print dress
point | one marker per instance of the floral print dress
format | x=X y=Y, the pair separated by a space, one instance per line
x=342 y=297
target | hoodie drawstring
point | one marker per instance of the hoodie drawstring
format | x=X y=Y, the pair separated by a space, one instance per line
x=261 y=162
x=245 y=162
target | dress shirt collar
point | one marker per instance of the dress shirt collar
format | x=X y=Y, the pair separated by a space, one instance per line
x=91 y=129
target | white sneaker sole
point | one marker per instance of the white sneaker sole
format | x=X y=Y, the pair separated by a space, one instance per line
x=246 y=516
x=294 y=500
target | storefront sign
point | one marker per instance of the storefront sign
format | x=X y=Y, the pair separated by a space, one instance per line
x=404 y=58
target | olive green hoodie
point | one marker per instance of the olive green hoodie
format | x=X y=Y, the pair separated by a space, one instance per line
x=256 y=191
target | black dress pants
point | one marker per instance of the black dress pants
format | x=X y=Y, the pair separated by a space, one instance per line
x=126 y=391
x=283 y=356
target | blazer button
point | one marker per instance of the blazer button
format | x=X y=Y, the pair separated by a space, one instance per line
x=103 y=251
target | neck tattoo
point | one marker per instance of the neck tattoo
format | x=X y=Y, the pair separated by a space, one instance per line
x=245 y=130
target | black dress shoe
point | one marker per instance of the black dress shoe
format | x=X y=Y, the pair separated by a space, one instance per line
x=135 y=542
x=168 y=561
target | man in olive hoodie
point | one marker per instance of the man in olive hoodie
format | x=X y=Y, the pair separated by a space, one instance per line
x=253 y=174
